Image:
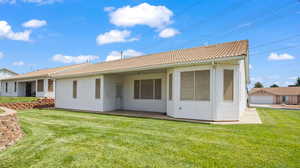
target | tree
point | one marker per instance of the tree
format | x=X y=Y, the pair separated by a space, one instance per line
x=297 y=82
x=258 y=85
x=274 y=85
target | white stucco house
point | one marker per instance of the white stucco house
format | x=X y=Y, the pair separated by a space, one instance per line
x=33 y=84
x=202 y=83
x=5 y=73
x=276 y=95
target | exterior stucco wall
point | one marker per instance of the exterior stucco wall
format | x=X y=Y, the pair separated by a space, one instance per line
x=224 y=109
x=109 y=92
x=170 y=102
x=243 y=88
x=85 y=94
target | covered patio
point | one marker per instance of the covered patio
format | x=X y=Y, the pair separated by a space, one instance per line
x=27 y=88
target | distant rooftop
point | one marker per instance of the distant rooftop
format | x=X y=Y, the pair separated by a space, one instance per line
x=44 y=72
x=280 y=91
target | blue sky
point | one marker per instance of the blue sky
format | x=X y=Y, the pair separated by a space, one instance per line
x=37 y=34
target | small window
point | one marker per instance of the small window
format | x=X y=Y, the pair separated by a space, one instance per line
x=97 y=88
x=170 y=86
x=15 y=87
x=50 y=85
x=40 y=85
x=147 y=89
x=74 y=89
x=228 y=84
x=157 y=89
x=187 y=85
x=202 y=85
x=137 y=89
x=195 y=85
x=6 y=87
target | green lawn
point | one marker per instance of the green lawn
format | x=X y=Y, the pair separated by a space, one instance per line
x=16 y=99
x=71 y=139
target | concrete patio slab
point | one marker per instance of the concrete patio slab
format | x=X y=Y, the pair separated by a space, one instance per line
x=277 y=106
x=250 y=116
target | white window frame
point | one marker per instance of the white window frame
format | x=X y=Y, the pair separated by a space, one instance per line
x=140 y=88
x=234 y=84
x=196 y=68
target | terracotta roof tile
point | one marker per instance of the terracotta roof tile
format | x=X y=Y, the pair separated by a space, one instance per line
x=224 y=50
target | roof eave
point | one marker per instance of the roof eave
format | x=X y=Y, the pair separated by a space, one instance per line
x=151 y=67
x=25 y=78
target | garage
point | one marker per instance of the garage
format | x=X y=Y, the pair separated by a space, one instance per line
x=261 y=99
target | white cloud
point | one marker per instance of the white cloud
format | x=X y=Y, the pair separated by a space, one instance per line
x=7 y=1
x=114 y=36
x=34 y=23
x=143 y=14
x=109 y=8
x=244 y=25
x=18 y=63
x=285 y=56
x=250 y=66
x=115 y=55
x=42 y=2
x=74 y=59
x=293 y=77
x=1 y=54
x=287 y=83
x=168 y=32
x=7 y=32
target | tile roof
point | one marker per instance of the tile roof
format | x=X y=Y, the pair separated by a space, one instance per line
x=280 y=91
x=190 y=55
x=45 y=72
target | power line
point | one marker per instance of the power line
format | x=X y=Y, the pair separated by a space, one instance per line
x=265 y=16
x=275 y=41
x=279 y=49
x=223 y=13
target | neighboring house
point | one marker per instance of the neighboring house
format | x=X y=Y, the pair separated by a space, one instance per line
x=33 y=84
x=203 y=83
x=277 y=95
x=5 y=73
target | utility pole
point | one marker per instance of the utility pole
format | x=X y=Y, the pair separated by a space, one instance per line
x=121 y=54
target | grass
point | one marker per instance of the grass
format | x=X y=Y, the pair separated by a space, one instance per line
x=4 y=99
x=56 y=138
